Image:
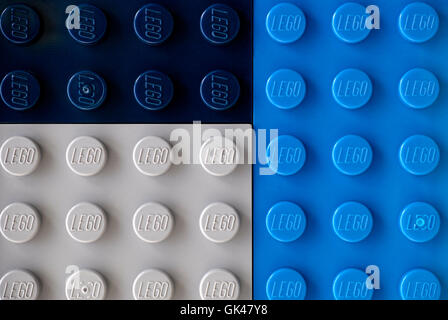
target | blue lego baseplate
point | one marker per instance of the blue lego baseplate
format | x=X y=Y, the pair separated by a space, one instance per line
x=167 y=61
x=357 y=208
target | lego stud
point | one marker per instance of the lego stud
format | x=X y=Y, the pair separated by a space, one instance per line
x=85 y=284
x=286 y=89
x=352 y=155
x=152 y=156
x=19 y=24
x=153 y=90
x=419 y=88
x=220 y=90
x=20 y=90
x=19 y=222
x=20 y=156
x=86 y=156
x=219 y=284
x=286 y=155
x=418 y=22
x=286 y=23
x=86 y=222
x=153 y=24
x=352 y=88
x=86 y=90
x=352 y=222
x=420 y=284
x=286 y=284
x=153 y=284
x=219 y=222
x=286 y=221
x=349 y=23
x=220 y=24
x=351 y=284
x=153 y=222
x=19 y=285
x=419 y=222
x=92 y=25
x=419 y=155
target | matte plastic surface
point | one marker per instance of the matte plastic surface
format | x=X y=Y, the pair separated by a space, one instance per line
x=117 y=247
x=386 y=199
x=126 y=50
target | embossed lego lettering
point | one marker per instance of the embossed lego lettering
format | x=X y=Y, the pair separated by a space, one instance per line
x=153 y=222
x=286 y=89
x=86 y=222
x=421 y=222
x=289 y=155
x=352 y=88
x=18 y=222
x=220 y=90
x=153 y=290
x=286 y=22
x=19 y=23
x=85 y=290
x=352 y=155
x=18 y=290
x=419 y=22
x=421 y=290
x=220 y=222
x=286 y=289
x=286 y=222
x=154 y=23
x=353 y=222
x=420 y=155
x=153 y=90
x=19 y=155
x=87 y=24
x=351 y=22
x=157 y=156
x=19 y=90
x=352 y=290
x=420 y=88
x=87 y=155
x=220 y=289
x=220 y=155
x=220 y=24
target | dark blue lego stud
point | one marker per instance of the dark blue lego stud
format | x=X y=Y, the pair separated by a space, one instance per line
x=286 y=89
x=352 y=222
x=286 y=284
x=92 y=24
x=220 y=24
x=349 y=23
x=352 y=88
x=86 y=90
x=20 y=90
x=153 y=90
x=418 y=22
x=419 y=155
x=286 y=155
x=220 y=90
x=286 y=23
x=352 y=155
x=420 y=222
x=420 y=284
x=419 y=88
x=19 y=24
x=286 y=221
x=153 y=24
x=351 y=284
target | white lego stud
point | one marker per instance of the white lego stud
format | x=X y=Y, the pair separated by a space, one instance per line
x=219 y=156
x=153 y=222
x=20 y=156
x=219 y=222
x=86 y=222
x=219 y=284
x=19 y=285
x=85 y=284
x=19 y=222
x=86 y=156
x=152 y=156
x=153 y=284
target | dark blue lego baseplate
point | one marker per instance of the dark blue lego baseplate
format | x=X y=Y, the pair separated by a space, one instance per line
x=361 y=183
x=172 y=41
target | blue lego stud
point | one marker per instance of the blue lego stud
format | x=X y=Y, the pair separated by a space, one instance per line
x=153 y=24
x=418 y=22
x=419 y=155
x=153 y=90
x=420 y=284
x=86 y=90
x=420 y=222
x=351 y=284
x=92 y=24
x=286 y=89
x=20 y=24
x=286 y=221
x=352 y=155
x=286 y=155
x=20 y=90
x=286 y=284
x=220 y=90
x=286 y=23
x=352 y=88
x=419 y=88
x=349 y=23
x=220 y=24
x=352 y=221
